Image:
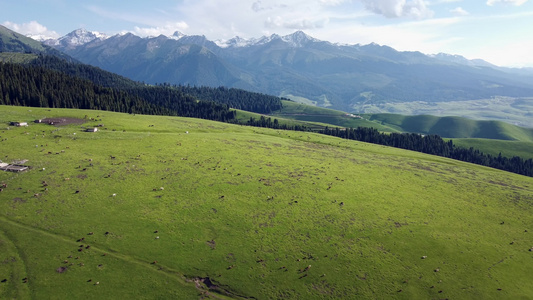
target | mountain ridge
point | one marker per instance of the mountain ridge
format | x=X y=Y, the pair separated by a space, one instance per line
x=359 y=78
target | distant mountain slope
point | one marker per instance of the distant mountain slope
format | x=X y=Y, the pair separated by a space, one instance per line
x=454 y=127
x=344 y=77
x=11 y=41
x=159 y=60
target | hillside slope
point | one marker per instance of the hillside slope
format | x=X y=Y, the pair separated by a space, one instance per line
x=454 y=127
x=149 y=205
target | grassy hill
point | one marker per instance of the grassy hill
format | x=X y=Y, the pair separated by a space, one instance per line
x=309 y=113
x=454 y=127
x=490 y=137
x=494 y=147
x=166 y=202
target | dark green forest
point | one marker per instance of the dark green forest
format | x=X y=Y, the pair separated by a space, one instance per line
x=38 y=86
x=235 y=98
x=435 y=145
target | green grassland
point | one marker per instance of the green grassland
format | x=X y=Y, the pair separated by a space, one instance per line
x=495 y=147
x=454 y=127
x=490 y=137
x=243 y=117
x=16 y=57
x=308 y=113
x=264 y=214
x=518 y=111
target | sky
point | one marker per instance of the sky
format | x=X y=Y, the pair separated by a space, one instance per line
x=498 y=31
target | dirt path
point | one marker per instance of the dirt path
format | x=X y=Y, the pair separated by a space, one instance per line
x=198 y=283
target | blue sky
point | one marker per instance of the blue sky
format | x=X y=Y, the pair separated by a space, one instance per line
x=499 y=31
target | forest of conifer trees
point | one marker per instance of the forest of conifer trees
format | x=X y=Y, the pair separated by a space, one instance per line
x=57 y=83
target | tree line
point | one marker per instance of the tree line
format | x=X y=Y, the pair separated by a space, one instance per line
x=274 y=124
x=234 y=98
x=435 y=145
x=38 y=86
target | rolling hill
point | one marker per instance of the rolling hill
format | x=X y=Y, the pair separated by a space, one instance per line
x=454 y=127
x=171 y=207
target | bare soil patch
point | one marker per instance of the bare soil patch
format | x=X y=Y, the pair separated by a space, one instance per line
x=63 y=121
x=19 y=200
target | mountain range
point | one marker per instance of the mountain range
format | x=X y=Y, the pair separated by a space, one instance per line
x=300 y=67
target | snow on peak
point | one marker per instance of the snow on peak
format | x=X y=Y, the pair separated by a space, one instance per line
x=176 y=36
x=39 y=37
x=235 y=42
x=298 y=39
x=80 y=37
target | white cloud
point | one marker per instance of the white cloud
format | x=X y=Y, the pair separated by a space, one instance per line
x=399 y=8
x=301 y=24
x=447 y=1
x=167 y=29
x=513 y=2
x=511 y=55
x=459 y=11
x=32 y=28
x=332 y=2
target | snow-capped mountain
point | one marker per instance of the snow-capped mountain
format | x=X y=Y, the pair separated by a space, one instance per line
x=76 y=38
x=297 y=39
x=39 y=37
x=340 y=76
x=458 y=59
x=176 y=36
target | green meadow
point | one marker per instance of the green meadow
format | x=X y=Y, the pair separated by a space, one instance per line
x=155 y=207
x=488 y=136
